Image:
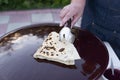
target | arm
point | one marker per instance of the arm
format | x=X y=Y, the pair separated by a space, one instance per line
x=73 y=10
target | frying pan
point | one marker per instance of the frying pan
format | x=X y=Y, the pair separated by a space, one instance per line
x=18 y=46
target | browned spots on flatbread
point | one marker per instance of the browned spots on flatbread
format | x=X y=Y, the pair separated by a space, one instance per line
x=48 y=48
x=64 y=35
x=40 y=51
x=46 y=40
x=56 y=54
x=52 y=54
x=50 y=43
x=47 y=53
x=50 y=35
x=50 y=38
x=44 y=52
x=61 y=50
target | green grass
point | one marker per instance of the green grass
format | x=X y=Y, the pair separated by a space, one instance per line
x=31 y=4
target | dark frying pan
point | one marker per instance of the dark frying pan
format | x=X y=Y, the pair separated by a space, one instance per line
x=17 y=63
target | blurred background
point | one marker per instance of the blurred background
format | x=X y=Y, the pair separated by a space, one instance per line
x=19 y=13
x=31 y=4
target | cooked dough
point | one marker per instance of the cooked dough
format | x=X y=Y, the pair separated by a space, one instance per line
x=55 y=50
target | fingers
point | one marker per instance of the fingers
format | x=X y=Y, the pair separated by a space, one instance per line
x=65 y=15
x=63 y=12
x=74 y=20
x=66 y=18
x=70 y=11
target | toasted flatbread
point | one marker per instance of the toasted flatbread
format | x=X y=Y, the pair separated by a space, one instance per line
x=54 y=50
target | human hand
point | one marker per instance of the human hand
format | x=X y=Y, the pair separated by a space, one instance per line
x=73 y=11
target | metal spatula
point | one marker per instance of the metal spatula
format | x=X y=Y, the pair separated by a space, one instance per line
x=112 y=67
x=66 y=34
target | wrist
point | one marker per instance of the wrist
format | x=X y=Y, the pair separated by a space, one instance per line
x=78 y=3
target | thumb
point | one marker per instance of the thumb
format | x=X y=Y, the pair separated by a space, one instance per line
x=61 y=24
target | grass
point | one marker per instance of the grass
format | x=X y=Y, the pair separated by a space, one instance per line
x=31 y=4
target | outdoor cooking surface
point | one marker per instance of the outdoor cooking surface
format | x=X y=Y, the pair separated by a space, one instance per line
x=17 y=62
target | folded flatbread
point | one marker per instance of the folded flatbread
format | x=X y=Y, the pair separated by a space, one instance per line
x=55 y=50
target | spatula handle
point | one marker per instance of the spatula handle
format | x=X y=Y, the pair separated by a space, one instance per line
x=68 y=23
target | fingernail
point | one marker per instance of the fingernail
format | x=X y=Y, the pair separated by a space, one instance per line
x=60 y=25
